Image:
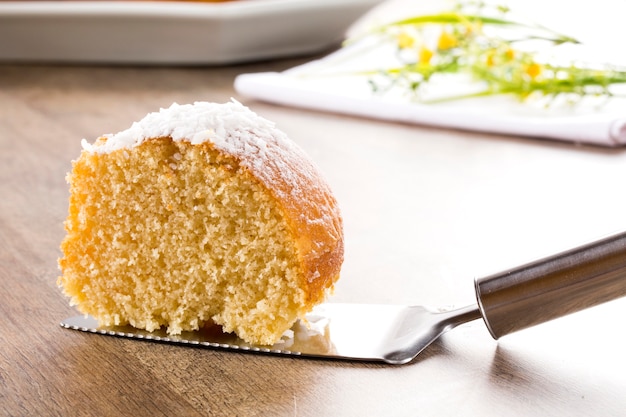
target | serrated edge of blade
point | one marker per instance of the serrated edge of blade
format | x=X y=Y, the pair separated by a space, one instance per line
x=180 y=341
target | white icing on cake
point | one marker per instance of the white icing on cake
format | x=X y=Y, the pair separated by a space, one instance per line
x=231 y=126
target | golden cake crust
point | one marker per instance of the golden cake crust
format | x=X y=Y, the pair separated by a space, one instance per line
x=312 y=212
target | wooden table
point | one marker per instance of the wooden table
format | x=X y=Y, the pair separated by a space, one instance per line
x=426 y=211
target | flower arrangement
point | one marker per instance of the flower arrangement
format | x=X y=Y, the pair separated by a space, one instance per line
x=482 y=41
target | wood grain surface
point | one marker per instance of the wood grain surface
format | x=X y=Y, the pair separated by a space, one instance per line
x=426 y=211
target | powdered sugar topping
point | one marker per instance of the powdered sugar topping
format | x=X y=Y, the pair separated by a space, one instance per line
x=230 y=126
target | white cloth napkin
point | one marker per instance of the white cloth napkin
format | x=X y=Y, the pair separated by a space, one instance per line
x=331 y=84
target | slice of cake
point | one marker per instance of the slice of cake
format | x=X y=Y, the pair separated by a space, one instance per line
x=200 y=214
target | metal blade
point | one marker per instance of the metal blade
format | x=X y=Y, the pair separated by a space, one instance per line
x=368 y=332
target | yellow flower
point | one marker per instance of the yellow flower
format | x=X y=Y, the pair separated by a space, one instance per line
x=425 y=55
x=509 y=54
x=405 y=40
x=533 y=70
x=446 y=41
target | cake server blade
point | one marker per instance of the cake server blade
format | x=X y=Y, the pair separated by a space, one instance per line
x=507 y=302
x=369 y=332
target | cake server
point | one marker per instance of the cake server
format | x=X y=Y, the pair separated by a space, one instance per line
x=507 y=302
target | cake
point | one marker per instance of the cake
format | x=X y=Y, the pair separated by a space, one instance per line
x=200 y=214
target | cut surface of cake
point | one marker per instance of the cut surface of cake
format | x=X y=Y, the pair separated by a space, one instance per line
x=200 y=214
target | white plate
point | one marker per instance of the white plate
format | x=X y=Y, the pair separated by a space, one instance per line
x=172 y=32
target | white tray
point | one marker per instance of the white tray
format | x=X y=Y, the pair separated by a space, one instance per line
x=172 y=32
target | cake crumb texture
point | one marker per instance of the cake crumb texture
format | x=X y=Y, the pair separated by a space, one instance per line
x=223 y=220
